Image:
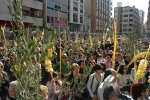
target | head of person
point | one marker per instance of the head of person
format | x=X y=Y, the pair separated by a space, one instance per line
x=138 y=90
x=12 y=89
x=99 y=56
x=110 y=71
x=81 y=63
x=54 y=77
x=123 y=70
x=104 y=66
x=108 y=57
x=119 y=57
x=110 y=93
x=64 y=57
x=44 y=91
x=11 y=55
x=75 y=68
x=98 y=68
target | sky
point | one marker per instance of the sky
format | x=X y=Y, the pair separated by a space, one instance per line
x=140 y=4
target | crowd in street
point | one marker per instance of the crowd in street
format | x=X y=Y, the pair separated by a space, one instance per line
x=105 y=80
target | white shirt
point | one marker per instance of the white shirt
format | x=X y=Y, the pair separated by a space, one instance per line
x=123 y=79
x=94 y=85
x=108 y=80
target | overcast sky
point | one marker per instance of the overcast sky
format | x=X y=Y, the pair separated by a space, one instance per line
x=140 y=4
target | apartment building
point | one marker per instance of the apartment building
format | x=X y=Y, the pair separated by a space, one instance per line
x=141 y=14
x=76 y=15
x=148 y=19
x=32 y=13
x=127 y=19
x=100 y=12
x=55 y=13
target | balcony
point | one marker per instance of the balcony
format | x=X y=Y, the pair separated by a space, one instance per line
x=81 y=21
x=33 y=4
x=75 y=20
x=28 y=19
x=75 y=9
x=38 y=22
x=33 y=20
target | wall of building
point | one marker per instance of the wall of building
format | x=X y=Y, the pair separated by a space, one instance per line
x=127 y=19
x=32 y=12
x=53 y=9
x=76 y=15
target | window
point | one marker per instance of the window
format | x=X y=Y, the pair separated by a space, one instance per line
x=131 y=10
x=75 y=17
x=130 y=20
x=131 y=15
x=75 y=6
x=125 y=11
x=124 y=29
x=125 y=25
x=50 y=4
x=125 y=20
x=125 y=15
x=57 y=6
x=130 y=24
x=64 y=9
x=81 y=9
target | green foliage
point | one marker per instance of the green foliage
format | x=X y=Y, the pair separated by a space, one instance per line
x=28 y=74
x=49 y=28
x=129 y=45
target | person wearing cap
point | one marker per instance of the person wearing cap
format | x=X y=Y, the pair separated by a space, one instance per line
x=64 y=65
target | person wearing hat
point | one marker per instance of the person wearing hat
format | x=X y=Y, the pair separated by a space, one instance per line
x=64 y=65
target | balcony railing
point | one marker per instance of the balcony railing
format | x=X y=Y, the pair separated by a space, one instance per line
x=75 y=20
x=81 y=21
x=81 y=11
x=75 y=9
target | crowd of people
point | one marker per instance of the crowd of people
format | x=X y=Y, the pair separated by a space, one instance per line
x=103 y=82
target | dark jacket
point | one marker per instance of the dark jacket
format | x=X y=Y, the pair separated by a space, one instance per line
x=4 y=87
x=45 y=76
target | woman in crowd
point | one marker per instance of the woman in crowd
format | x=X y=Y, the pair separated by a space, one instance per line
x=53 y=87
x=94 y=80
x=123 y=75
x=74 y=79
x=44 y=90
x=139 y=91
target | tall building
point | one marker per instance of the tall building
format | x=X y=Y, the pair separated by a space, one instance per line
x=141 y=14
x=76 y=15
x=100 y=14
x=51 y=15
x=148 y=18
x=127 y=19
x=32 y=13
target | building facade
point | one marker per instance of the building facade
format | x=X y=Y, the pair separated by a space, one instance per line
x=32 y=13
x=56 y=13
x=127 y=19
x=76 y=15
x=100 y=12
x=141 y=14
